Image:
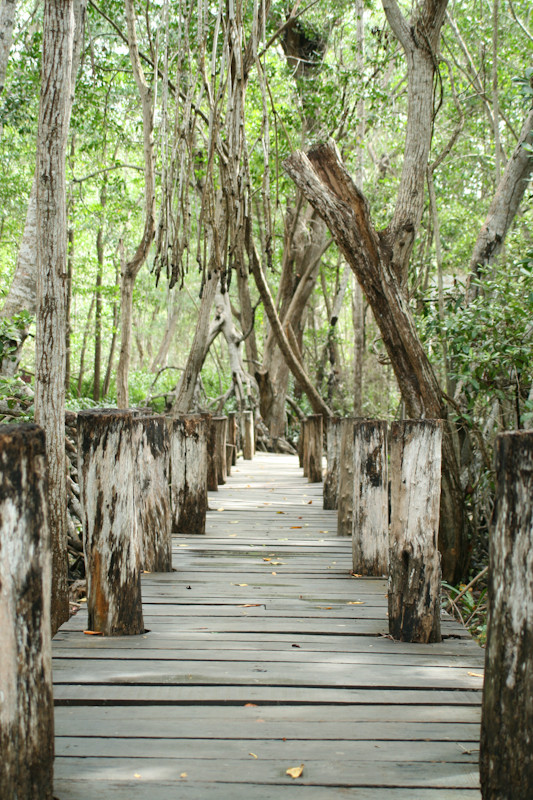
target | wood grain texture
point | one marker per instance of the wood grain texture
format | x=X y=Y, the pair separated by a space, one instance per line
x=263 y=644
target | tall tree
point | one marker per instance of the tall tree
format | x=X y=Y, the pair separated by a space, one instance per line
x=50 y=351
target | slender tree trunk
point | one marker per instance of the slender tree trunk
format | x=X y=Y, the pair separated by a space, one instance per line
x=98 y=315
x=7 y=20
x=116 y=317
x=50 y=357
x=86 y=333
x=68 y=327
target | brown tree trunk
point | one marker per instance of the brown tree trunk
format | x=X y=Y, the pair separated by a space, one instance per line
x=27 y=707
x=414 y=561
x=50 y=354
x=506 y=759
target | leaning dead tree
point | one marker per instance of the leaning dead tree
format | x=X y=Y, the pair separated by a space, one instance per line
x=380 y=259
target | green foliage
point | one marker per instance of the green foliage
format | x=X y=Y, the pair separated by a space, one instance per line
x=12 y=331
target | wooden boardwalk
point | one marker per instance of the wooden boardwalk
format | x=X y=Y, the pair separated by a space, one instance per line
x=264 y=653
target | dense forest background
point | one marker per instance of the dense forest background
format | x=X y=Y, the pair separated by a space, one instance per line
x=182 y=220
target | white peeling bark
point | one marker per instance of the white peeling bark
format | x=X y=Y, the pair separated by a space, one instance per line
x=110 y=526
x=152 y=494
x=188 y=456
x=346 y=485
x=26 y=701
x=506 y=759
x=414 y=559
x=7 y=20
x=370 y=539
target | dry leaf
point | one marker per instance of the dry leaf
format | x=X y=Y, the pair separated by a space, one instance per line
x=93 y=633
x=274 y=573
x=183 y=545
x=253 y=755
x=325 y=608
x=239 y=584
x=183 y=775
x=267 y=559
x=293 y=527
x=136 y=775
x=232 y=535
x=250 y=705
x=323 y=531
x=475 y=674
x=355 y=603
x=220 y=509
x=249 y=605
x=234 y=522
x=295 y=772
x=280 y=512
x=309 y=502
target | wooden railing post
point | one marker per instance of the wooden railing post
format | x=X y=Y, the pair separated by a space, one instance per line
x=231 y=439
x=333 y=451
x=110 y=529
x=414 y=558
x=212 y=469
x=248 y=446
x=26 y=702
x=305 y=446
x=152 y=493
x=346 y=485
x=370 y=541
x=188 y=459
x=220 y=424
x=506 y=760
x=314 y=448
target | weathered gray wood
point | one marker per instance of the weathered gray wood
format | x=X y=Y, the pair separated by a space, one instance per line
x=110 y=534
x=414 y=559
x=26 y=703
x=212 y=469
x=230 y=452
x=370 y=539
x=231 y=437
x=333 y=451
x=152 y=493
x=248 y=440
x=220 y=424
x=346 y=484
x=313 y=451
x=189 y=462
x=506 y=761
x=304 y=447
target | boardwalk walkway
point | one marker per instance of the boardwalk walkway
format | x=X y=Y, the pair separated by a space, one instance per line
x=264 y=653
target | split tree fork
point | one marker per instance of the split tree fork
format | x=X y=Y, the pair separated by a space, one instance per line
x=380 y=259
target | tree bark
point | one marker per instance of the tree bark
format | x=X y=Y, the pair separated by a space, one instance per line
x=370 y=539
x=110 y=524
x=27 y=708
x=7 y=20
x=414 y=561
x=506 y=759
x=50 y=351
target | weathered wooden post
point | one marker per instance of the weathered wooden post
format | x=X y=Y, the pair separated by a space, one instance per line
x=110 y=535
x=220 y=424
x=212 y=471
x=305 y=446
x=231 y=439
x=300 y=445
x=506 y=759
x=152 y=493
x=248 y=445
x=414 y=558
x=188 y=459
x=333 y=450
x=346 y=486
x=314 y=431
x=370 y=540
x=26 y=701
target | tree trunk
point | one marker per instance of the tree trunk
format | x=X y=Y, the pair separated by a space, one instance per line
x=414 y=561
x=50 y=355
x=506 y=759
x=98 y=311
x=110 y=524
x=313 y=451
x=27 y=707
x=188 y=441
x=152 y=494
x=370 y=540
x=7 y=20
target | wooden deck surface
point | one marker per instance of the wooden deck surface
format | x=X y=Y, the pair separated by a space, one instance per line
x=264 y=653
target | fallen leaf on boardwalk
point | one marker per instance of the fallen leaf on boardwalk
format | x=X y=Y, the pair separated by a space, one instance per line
x=249 y=605
x=274 y=573
x=250 y=705
x=239 y=584
x=232 y=536
x=325 y=608
x=355 y=603
x=475 y=674
x=234 y=521
x=293 y=527
x=183 y=545
x=295 y=645
x=280 y=512
x=260 y=720
x=355 y=575
x=309 y=502
x=295 y=772
x=147 y=572
x=220 y=509
x=323 y=531
x=267 y=559
x=136 y=775
x=93 y=633
x=253 y=755
x=183 y=775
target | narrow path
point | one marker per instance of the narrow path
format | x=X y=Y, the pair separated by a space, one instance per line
x=263 y=654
